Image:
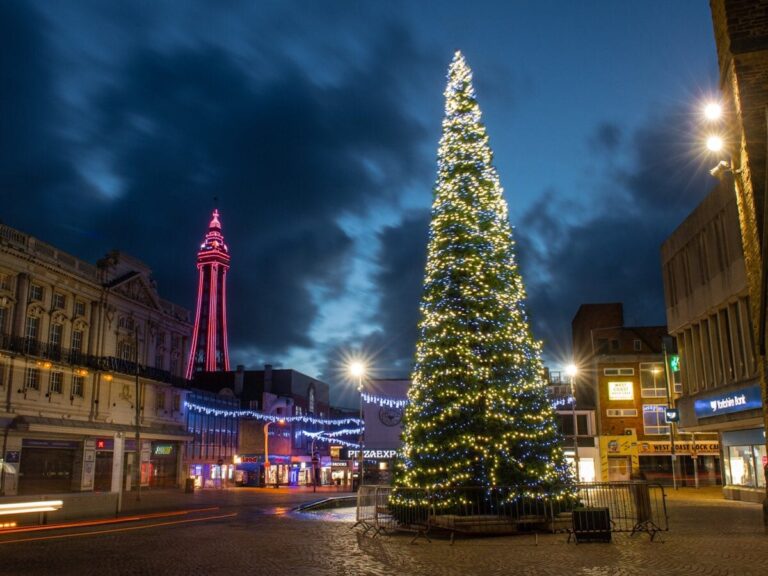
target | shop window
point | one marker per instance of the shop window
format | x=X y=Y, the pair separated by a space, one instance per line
x=654 y=420
x=77 y=386
x=32 y=380
x=56 y=381
x=741 y=464
x=35 y=293
x=59 y=301
x=652 y=380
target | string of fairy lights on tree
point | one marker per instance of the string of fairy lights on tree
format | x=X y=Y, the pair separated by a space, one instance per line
x=478 y=412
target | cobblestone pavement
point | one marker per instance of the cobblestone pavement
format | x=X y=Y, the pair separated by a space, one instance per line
x=708 y=536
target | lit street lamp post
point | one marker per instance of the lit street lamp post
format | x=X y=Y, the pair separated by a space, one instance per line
x=571 y=370
x=266 y=453
x=357 y=370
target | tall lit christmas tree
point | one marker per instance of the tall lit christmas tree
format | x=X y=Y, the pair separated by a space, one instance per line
x=478 y=413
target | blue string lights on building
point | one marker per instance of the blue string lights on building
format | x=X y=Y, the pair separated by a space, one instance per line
x=261 y=416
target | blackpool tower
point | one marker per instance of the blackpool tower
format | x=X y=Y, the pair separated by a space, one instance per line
x=209 y=352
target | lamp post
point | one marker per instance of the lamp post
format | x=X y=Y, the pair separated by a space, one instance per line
x=138 y=416
x=266 y=453
x=571 y=370
x=357 y=370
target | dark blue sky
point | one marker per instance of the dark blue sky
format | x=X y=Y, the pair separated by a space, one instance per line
x=316 y=124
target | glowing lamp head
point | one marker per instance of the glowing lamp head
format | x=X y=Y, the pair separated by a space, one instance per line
x=713 y=111
x=571 y=370
x=714 y=143
x=281 y=422
x=357 y=369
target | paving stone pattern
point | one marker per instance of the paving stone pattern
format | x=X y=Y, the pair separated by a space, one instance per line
x=708 y=536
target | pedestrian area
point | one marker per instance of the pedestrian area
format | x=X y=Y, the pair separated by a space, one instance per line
x=254 y=533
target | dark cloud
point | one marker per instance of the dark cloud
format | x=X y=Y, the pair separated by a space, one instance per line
x=607 y=137
x=612 y=254
x=285 y=155
x=35 y=171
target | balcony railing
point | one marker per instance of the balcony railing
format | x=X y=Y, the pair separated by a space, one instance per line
x=56 y=353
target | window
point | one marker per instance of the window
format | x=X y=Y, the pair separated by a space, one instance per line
x=619 y=371
x=160 y=399
x=566 y=424
x=125 y=322
x=621 y=391
x=621 y=413
x=55 y=338
x=125 y=350
x=614 y=345
x=652 y=380
x=3 y=312
x=2 y=374
x=33 y=325
x=56 y=380
x=638 y=345
x=32 y=381
x=744 y=466
x=79 y=308
x=77 y=340
x=5 y=282
x=59 y=301
x=654 y=420
x=176 y=402
x=298 y=410
x=35 y=293
x=77 y=386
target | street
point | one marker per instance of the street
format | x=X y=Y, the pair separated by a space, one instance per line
x=255 y=532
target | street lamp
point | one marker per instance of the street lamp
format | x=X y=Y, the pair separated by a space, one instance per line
x=571 y=371
x=357 y=370
x=266 y=452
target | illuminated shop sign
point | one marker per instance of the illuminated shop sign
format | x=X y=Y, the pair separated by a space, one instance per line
x=744 y=399
x=620 y=391
x=373 y=454
x=162 y=449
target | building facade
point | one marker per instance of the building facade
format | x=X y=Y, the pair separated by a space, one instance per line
x=709 y=315
x=632 y=373
x=88 y=356
x=274 y=452
x=741 y=36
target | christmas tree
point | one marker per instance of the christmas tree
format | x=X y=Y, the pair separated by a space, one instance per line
x=478 y=414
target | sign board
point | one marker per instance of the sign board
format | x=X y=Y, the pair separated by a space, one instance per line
x=672 y=415
x=738 y=401
x=620 y=391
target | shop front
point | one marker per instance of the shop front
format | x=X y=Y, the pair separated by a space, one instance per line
x=696 y=462
x=48 y=466
x=744 y=464
x=251 y=471
x=619 y=460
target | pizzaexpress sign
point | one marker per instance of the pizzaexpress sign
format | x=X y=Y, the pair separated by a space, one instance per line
x=738 y=401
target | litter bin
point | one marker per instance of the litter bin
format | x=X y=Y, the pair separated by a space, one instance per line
x=355 y=484
x=189 y=485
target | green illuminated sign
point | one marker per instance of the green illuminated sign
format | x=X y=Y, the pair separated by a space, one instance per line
x=674 y=363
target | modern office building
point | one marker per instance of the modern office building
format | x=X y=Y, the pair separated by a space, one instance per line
x=709 y=314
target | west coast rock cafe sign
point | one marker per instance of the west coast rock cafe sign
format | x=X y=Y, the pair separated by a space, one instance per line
x=698 y=448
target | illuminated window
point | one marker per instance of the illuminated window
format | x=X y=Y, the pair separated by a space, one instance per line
x=77 y=386
x=652 y=380
x=32 y=380
x=59 y=301
x=654 y=420
x=620 y=391
x=298 y=410
x=35 y=293
x=56 y=381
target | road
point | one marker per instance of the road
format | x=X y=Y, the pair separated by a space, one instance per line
x=255 y=532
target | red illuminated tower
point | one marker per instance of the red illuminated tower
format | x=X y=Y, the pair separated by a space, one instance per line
x=209 y=351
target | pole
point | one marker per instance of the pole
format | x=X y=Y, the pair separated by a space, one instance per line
x=138 y=418
x=266 y=454
x=361 y=468
x=575 y=437
x=671 y=424
x=314 y=472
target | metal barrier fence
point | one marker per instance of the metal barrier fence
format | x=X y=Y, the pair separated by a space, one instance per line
x=594 y=511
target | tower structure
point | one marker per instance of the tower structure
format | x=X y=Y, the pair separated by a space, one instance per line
x=210 y=352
